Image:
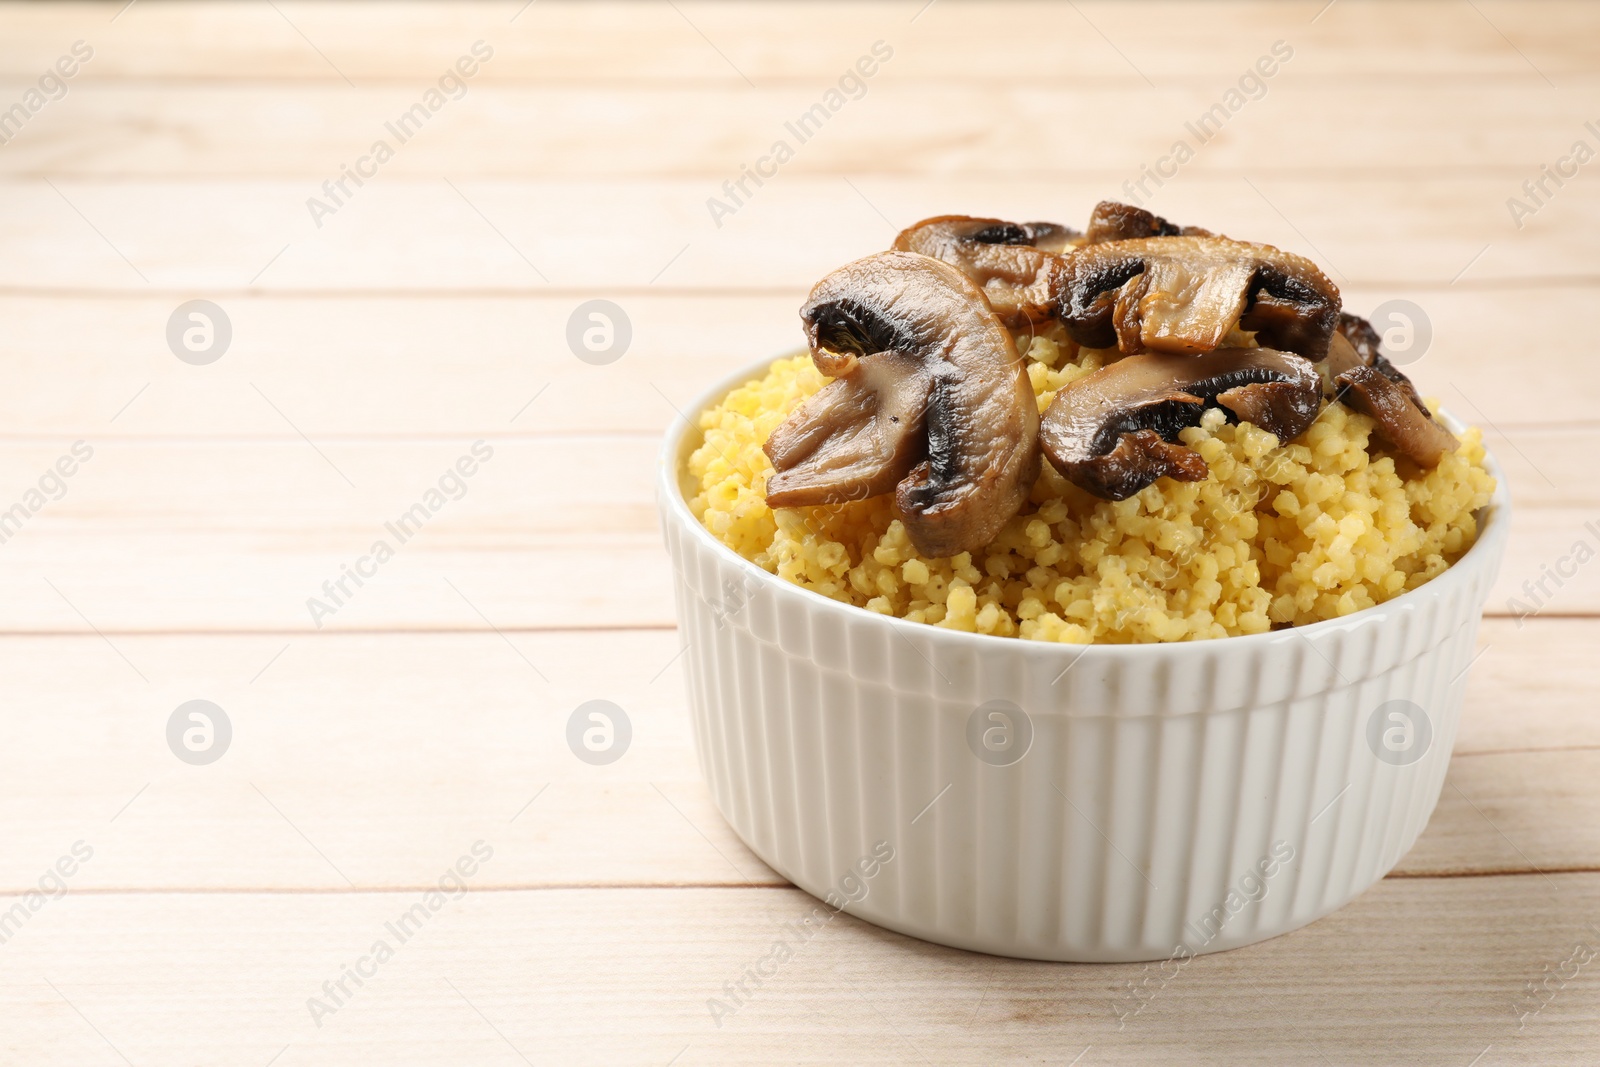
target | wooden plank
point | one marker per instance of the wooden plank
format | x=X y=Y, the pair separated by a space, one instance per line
x=645 y=42
x=1530 y=687
x=386 y=750
x=899 y=126
x=467 y=366
x=1503 y=810
x=1545 y=557
x=371 y=352
x=357 y=757
x=1378 y=238
x=623 y=976
x=242 y=535
x=552 y=532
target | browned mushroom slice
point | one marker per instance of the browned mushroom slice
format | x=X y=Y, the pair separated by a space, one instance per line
x=931 y=400
x=1405 y=424
x=1365 y=380
x=1051 y=236
x=1114 y=432
x=854 y=438
x=1184 y=294
x=1360 y=335
x=1011 y=262
x=1343 y=355
x=1365 y=347
x=1111 y=221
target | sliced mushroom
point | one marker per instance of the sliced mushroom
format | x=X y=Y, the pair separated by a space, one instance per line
x=1011 y=262
x=1051 y=236
x=1114 y=432
x=1404 y=424
x=931 y=400
x=1184 y=295
x=1367 y=347
x=1364 y=380
x=1343 y=355
x=1361 y=337
x=1111 y=221
x=854 y=438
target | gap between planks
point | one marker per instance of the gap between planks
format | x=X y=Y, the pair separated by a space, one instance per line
x=1521 y=751
x=374 y=631
x=544 y=887
x=959 y=79
x=423 y=629
x=1519 y=282
x=428 y=887
x=1308 y=175
x=542 y=436
x=535 y=628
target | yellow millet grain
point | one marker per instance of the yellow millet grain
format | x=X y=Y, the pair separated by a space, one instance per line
x=1275 y=535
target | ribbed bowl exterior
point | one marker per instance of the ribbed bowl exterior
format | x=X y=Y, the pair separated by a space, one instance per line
x=1175 y=799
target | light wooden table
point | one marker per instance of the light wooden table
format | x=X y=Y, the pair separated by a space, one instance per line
x=372 y=345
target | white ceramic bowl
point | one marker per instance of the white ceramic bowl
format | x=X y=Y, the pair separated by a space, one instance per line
x=1148 y=801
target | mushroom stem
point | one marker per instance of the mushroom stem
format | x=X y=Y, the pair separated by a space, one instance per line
x=931 y=400
x=853 y=439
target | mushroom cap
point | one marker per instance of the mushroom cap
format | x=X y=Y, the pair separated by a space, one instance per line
x=1363 y=347
x=931 y=399
x=1364 y=380
x=1342 y=355
x=1113 y=221
x=1361 y=336
x=1051 y=236
x=1185 y=294
x=1114 y=432
x=1011 y=262
x=1407 y=425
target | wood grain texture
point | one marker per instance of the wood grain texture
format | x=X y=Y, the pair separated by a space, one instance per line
x=552 y=531
x=429 y=312
x=587 y=976
x=451 y=233
x=633 y=42
x=384 y=750
x=456 y=366
x=239 y=130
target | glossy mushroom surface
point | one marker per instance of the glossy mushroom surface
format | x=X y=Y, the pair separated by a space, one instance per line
x=1115 y=431
x=854 y=438
x=1407 y=426
x=930 y=399
x=1362 y=347
x=1113 y=221
x=1011 y=262
x=1364 y=380
x=1184 y=295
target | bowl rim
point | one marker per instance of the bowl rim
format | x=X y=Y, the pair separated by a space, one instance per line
x=1493 y=523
